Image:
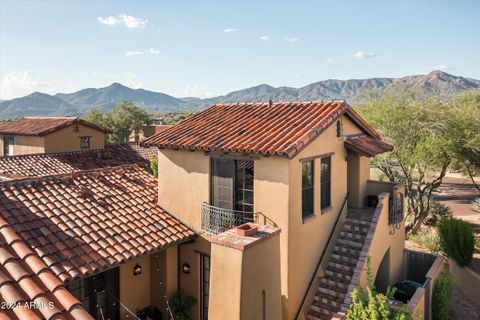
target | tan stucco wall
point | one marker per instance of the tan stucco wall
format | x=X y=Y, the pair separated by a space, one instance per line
x=307 y=239
x=349 y=127
x=189 y=283
x=135 y=290
x=67 y=139
x=467 y=281
x=183 y=183
x=386 y=238
x=25 y=145
x=358 y=175
x=238 y=279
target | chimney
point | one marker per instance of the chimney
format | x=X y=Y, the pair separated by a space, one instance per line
x=270 y=102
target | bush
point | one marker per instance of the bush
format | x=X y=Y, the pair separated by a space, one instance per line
x=154 y=166
x=456 y=240
x=442 y=296
x=429 y=240
x=372 y=305
x=437 y=211
x=180 y=306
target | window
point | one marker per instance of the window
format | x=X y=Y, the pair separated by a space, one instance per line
x=325 y=184
x=307 y=188
x=232 y=184
x=8 y=145
x=84 y=142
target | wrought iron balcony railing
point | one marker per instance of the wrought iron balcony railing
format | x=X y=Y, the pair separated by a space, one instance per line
x=216 y=220
x=395 y=212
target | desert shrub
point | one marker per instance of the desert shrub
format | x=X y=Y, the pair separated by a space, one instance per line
x=442 y=296
x=476 y=206
x=180 y=306
x=437 y=211
x=154 y=166
x=427 y=239
x=370 y=304
x=456 y=240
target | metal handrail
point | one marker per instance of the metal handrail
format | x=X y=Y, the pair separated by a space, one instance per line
x=216 y=220
x=321 y=258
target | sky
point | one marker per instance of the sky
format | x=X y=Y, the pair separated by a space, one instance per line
x=209 y=48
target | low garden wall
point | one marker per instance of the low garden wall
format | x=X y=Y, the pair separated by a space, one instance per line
x=467 y=281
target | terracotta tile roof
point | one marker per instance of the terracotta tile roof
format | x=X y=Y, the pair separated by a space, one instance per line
x=366 y=146
x=36 y=165
x=282 y=129
x=58 y=228
x=44 y=126
x=162 y=127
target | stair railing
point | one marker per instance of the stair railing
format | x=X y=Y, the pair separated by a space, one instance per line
x=312 y=279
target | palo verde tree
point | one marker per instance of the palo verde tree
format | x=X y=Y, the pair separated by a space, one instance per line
x=123 y=120
x=421 y=134
x=466 y=119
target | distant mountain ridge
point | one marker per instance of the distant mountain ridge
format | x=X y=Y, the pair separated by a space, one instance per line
x=436 y=83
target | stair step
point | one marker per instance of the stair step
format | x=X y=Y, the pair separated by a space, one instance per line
x=346 y=249
x=353 y=235
x=329 y=299
x=324 y=308
x=332 y=271
x=341 y=282
x=315 y=315
x=344 y=262
x=348 y=226
x=346 y=255
x=358 y=221
x=350 y=242
x=333 y=290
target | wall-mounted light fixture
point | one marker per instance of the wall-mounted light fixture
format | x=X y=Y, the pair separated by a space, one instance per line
x=340 y=129
x=186 y=268
x=137 y=270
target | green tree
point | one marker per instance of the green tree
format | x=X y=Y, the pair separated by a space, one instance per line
x=123 y=120
x=466 y=118
x=442 y=296
x=421 y=133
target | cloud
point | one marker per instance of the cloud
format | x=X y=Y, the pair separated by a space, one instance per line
x=290 y=39
x=264 y=38
x=20 y=83
x=139 y=53
x=109 y=21
x=441 y=67
x=125 y=20
x=193 y=90
x=228 y=30
x=328 y=61
x=360 y=55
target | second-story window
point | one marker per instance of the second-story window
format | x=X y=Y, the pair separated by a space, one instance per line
x=325 y=184
x=84 y=142
x=8 y=142
x=307 y=188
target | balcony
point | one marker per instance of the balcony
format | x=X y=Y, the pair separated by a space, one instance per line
x=216 y=220
x=396 y=198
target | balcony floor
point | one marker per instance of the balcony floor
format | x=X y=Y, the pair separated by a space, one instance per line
x=365 y=214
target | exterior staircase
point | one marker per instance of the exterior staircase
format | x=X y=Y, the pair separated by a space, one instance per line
x=334 y=284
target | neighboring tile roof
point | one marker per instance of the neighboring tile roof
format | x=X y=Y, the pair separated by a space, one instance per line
x=58 y=228
x=282 y=129
x=162 y=127
x=114 y=154
x=366 y=146
x=44 y=126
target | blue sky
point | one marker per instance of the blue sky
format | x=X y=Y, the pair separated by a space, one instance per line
x=206 y=48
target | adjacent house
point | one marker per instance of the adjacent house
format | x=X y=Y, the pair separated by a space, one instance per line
x=48 y=135
x=301 y=168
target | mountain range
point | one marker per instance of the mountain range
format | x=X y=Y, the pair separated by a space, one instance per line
x=436 y=83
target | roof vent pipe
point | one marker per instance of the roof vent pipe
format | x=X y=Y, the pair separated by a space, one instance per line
x=270 y=102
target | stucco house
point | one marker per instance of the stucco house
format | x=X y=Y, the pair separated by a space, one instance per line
x=301 y=171
x=260 y=211
x=49 y=135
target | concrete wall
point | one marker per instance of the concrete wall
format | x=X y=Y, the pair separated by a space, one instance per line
x=135 y=291
x=66 y=139
x=25 y=145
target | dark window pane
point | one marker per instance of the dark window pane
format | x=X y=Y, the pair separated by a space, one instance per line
x=307 y=188
x=325 y=183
